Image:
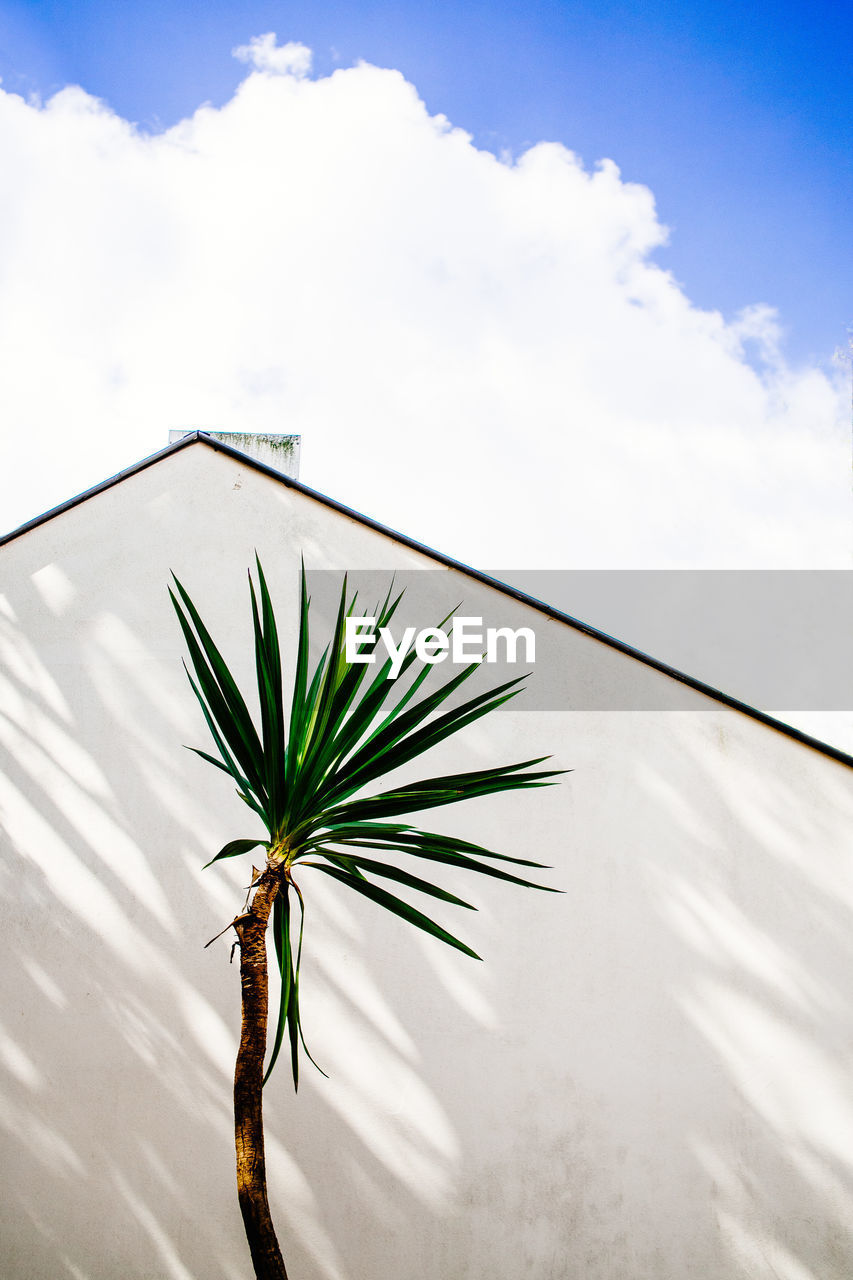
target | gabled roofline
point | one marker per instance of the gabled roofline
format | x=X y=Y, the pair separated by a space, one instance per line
x=201 y=437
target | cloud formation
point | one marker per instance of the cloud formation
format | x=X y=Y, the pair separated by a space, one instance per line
x=481 y=352
x=264 y=54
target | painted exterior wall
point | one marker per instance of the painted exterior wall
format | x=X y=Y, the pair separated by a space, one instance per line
x=281 y=452
x=649 y=1078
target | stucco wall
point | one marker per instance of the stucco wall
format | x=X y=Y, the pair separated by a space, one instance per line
x=649 y=1078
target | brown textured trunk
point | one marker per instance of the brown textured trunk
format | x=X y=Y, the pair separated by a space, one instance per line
x=248 y=1082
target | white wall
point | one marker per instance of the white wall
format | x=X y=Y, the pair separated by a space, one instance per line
x=649 y=1078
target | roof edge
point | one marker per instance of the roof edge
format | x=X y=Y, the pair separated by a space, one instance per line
x=201 y=437
x=133 y=470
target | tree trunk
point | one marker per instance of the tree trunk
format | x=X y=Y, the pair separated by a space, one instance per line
x=248 y=1082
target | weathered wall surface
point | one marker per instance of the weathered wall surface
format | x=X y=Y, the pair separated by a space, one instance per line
x=649 y=1078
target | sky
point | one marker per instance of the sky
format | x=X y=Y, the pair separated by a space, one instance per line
x=547 y=286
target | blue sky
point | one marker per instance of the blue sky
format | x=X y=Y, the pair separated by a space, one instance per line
x=736 y=116
x=461 y=321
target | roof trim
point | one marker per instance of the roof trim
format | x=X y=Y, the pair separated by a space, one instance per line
x=201 y=437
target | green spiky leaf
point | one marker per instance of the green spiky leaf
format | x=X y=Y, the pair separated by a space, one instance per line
x=307 y=768
x=233 y=849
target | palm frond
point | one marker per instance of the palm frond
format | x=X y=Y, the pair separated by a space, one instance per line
x=305 y=771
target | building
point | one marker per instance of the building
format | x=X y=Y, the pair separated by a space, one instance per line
x=648 y=1078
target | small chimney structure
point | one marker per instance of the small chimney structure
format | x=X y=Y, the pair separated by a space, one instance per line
x=281 y=452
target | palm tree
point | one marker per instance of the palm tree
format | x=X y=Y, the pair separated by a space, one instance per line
x=304 y=777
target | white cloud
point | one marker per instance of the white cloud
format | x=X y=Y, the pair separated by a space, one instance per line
x=264 y=54
x=479 y=352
